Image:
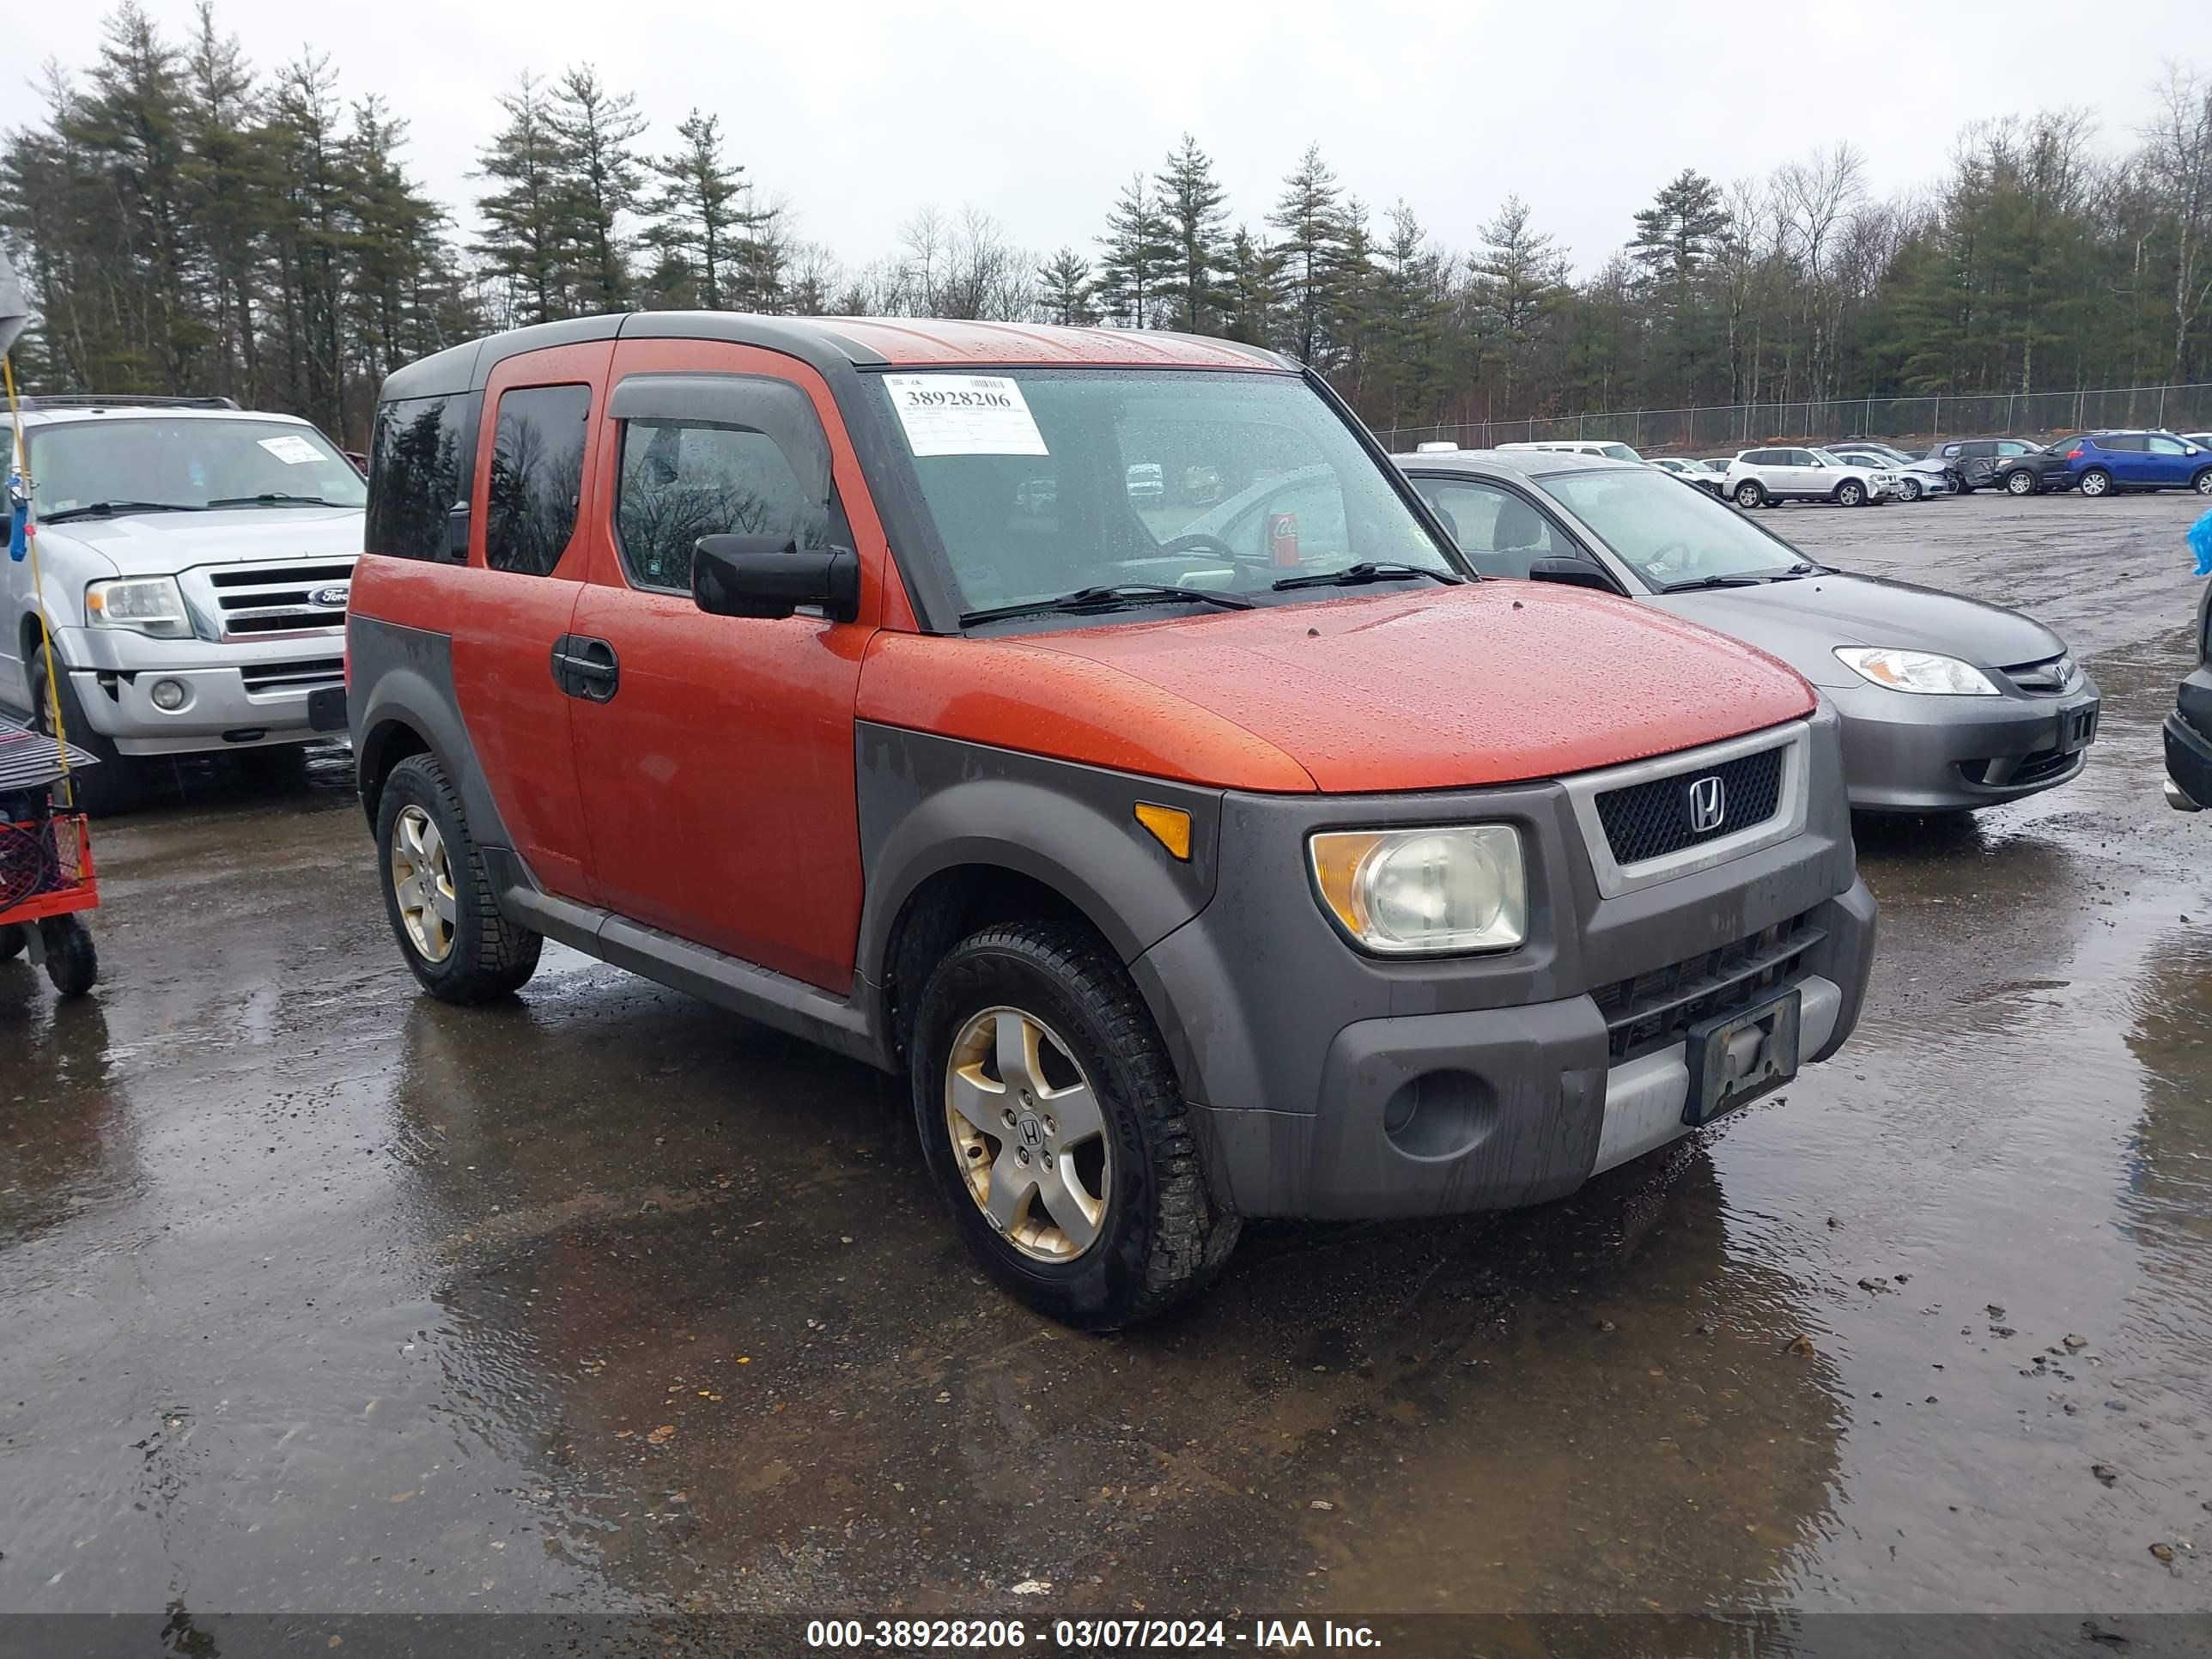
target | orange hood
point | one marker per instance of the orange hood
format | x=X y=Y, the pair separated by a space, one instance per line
x=1496 y=681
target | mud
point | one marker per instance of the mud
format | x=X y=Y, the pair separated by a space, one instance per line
x=317 y=1296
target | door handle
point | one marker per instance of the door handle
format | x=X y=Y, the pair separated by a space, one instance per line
x=586 y=667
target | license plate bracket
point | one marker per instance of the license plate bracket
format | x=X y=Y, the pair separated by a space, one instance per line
x=1737 y=1057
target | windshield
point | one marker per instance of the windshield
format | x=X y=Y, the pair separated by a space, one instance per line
x=188 y=462
x=1670 y=536
x=1043 y=483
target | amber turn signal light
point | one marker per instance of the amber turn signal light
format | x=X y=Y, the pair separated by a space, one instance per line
x=1171 y=826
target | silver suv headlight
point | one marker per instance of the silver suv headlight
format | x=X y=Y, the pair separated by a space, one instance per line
x=1917 y=671
x=144 y=605
x=1424 y=892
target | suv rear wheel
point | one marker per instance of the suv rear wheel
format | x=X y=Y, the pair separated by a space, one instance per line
x=1750 y=493
x=117 y=782
x=2096 y=482
x=440 y=901
x=1052 y=1118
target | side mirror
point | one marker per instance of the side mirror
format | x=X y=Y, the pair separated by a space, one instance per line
x=1573 y=573
x=456 y=534
x=768 y=577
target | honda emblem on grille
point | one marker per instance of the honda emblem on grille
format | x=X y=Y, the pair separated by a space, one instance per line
x=1708 y=805
x=332 y=598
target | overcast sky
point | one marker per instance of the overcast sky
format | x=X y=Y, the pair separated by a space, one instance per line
x=859 y=115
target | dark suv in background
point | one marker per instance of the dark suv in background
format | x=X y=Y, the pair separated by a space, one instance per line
x=2018 y=467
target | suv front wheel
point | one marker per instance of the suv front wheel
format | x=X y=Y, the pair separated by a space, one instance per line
x=1052 y=1121
x=117 y=784
x=2020 y=482
x=440 y=900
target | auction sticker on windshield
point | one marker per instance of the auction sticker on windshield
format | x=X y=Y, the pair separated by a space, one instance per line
x=293 y=452
x=964 y=414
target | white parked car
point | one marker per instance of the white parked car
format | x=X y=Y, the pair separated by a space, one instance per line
x=1611 y=451
x=1768 y=477
x=195 y=561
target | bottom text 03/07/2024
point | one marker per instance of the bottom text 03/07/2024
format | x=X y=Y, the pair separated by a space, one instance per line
x=1082 y=1635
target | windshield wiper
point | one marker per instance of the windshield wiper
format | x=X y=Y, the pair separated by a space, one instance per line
x=1713 y=581
x=108 y=509
x=273 y=500
x=1367 y=570
x=1114 y=597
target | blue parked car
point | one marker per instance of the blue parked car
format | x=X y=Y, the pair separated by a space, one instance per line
x=2104 y=463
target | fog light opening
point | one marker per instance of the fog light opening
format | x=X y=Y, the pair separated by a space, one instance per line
x=1440 y=1115
x=169 y=696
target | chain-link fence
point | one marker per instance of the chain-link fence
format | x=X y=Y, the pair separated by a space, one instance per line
x=1726 y=428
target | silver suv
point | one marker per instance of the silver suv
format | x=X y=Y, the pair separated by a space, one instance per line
x=196 y=561
x=1767 y=477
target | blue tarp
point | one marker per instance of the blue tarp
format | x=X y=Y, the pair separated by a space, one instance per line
x=2200 y=544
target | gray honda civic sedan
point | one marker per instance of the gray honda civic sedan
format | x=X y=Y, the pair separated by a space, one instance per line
x=1948 y=704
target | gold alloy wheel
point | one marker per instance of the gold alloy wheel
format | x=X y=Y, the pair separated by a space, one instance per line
x=423 y=881
x=1028 y=1135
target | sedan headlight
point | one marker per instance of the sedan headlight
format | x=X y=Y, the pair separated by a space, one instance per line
x=1917 y=671
x=1424 y=892
x=145 y=604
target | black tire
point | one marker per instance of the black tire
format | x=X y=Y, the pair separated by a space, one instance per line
x=1161 y=1237
x=2201 y=484
x=1751 y=493
x=2020 y=482
x=118 y=784
x=1851 y=493
x=12 y=940
x=2096 y=482
x=72 y=964
x=488 y=957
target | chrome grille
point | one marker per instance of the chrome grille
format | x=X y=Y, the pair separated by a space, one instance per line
x=2047 y=677
x=261 y=678
x=255 y=601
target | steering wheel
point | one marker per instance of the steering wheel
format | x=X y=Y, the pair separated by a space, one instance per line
x=1197 y=541
x=1663 y=555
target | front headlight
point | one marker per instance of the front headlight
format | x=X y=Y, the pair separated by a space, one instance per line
x=1917 y=671
x=145 y=604
x=1424 y=892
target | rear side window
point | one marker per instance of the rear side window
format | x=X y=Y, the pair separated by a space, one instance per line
x=537 y=477
x=684 y=479
x=418 y=463
x=2125 y=441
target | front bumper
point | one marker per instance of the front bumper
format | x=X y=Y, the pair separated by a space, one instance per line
x=2188 y=749
x=237 y=695
x=1328 y=1084
x=1909 y=753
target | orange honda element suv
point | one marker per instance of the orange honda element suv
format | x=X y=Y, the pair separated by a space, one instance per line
x=1094 y=726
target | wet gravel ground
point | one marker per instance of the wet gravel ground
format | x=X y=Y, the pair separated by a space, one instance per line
x=317 y=1296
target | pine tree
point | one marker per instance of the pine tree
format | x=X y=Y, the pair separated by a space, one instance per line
x=1519 y=278
x=311 y=236
x=1193 y=212
x=1064 y=289
x=1677 y=239
x=699 y=216
x=1135 y=261
x=227 y=186
x=529 y=244
x=1316 y=256
x=1254 y=284
x=594 y=131
x=1408 y=366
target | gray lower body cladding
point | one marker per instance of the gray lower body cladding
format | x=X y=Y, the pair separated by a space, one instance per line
x=1333 y=1084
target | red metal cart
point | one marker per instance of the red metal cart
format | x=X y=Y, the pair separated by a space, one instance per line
x=46 y=877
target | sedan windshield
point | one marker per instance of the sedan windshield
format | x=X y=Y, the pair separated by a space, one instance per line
x=145 y=464
x=1672 y=538
x=1088 y=491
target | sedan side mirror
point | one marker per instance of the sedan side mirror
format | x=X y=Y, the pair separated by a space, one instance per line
x=1573 y=573
x=768 y=577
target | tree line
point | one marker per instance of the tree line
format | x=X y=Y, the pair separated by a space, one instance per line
x=186 y=222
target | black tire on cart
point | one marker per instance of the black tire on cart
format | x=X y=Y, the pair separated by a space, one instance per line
x=1053 y=1122
x=113 y=785
x=72 y=964
x=438 y=897
x=11 y=940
